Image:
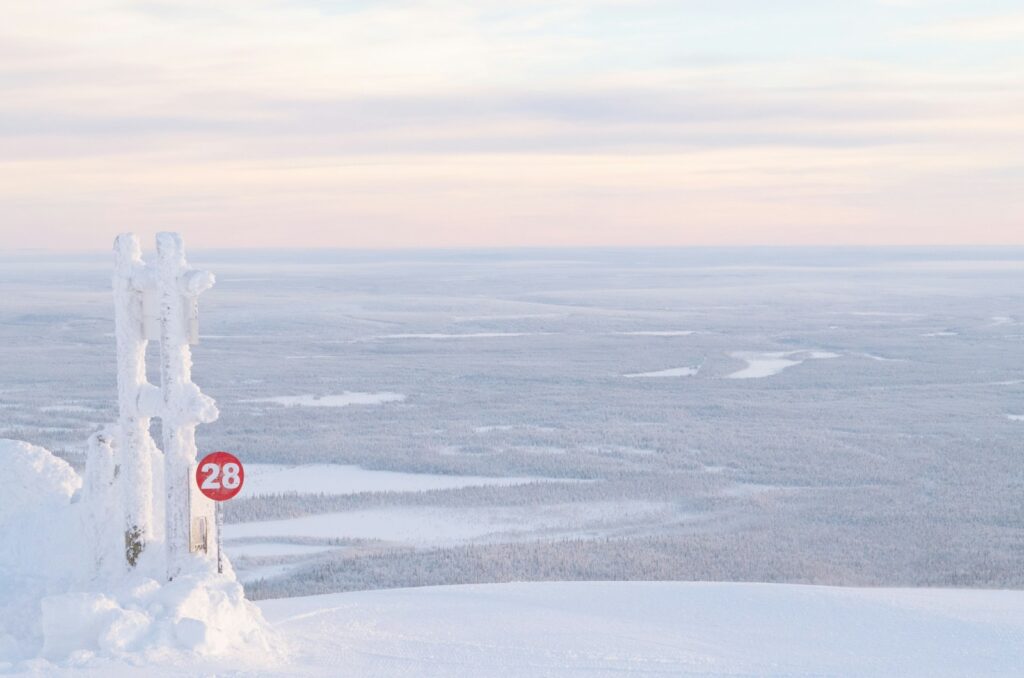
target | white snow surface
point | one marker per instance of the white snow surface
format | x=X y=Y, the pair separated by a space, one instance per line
x=670 y=372
x=576 y=629
x=263 y=479
x=431 y=526
x=342 y=400
x=58 y=617
x=33 y=481
x=57 y=605
x=467 y=335
x=273 y=549
x=767 y=364
x=657 y=333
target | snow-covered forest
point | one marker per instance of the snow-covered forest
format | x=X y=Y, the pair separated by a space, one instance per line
x=442 y=419
x=893 y=461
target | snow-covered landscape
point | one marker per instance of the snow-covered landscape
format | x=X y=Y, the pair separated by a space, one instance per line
x=413 y=459
x=201 y=625
x=511 y=339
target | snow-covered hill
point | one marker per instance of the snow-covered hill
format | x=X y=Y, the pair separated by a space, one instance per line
x=61 y=615
x=630 y=628
x=654 y=628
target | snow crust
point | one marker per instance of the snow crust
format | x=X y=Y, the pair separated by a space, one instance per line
x=655 y=628
x=576 y=629
x=58 y=607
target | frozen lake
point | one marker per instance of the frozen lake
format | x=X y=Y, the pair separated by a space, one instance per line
x=263 y=479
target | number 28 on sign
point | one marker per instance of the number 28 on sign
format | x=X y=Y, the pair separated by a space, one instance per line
x=220 y=476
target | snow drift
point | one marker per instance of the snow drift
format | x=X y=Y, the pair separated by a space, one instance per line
x=59 y=604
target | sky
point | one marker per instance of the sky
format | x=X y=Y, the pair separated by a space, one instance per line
x=512 y=123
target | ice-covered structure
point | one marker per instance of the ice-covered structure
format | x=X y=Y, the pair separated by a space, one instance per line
x=122 y=561
x=154 y=490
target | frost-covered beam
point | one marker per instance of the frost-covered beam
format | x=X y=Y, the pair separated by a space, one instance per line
x=104 y=537
x=184 y=406
x=135 y=447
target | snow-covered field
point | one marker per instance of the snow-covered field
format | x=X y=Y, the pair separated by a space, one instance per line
x=263 y=479
x=342 y=400
x=516 y=370
x=670 y=372
x=823 y=439
x=638 y=628
x=761 y=365
x=432 y=526
x=253 y=542
x=623 y=628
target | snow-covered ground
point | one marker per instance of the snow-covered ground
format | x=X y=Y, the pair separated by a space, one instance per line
x=262 y=479
x=670 y=372
x=625 y=628
x=248 y=542
x=433 y=526
x=767 y=364
x=66 y=596
x=657 y=333
x=342 y=400
x=445 y=335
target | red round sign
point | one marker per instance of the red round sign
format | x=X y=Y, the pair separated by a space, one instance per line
x=220 y=476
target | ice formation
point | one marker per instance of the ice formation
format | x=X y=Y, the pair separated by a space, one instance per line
x=110 y=565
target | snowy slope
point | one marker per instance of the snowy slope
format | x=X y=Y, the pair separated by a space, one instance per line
x=634 y=628
x=60 y=616
x=641 y=628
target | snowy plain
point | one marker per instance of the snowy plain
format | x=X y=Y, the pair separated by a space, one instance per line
x=341 y=400
x=515 y=369
x=428 y=526
x=582 y=629
x=265 y=479
x=855 y=450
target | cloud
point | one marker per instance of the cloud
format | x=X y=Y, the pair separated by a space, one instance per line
x=443 y=122
x=1000 y=28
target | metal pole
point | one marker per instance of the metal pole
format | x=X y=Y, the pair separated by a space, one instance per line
x=219 y=521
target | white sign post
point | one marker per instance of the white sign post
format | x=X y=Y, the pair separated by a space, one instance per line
x=184 y=406
x=158 y=304
x=134 y=446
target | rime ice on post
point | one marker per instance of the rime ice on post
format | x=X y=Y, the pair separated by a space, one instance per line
x=189 y=516
x=135 y=448
x=139 y=511
x=99 y=489
x=156 y=302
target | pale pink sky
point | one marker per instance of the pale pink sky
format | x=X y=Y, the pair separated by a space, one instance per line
x=258 y=123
